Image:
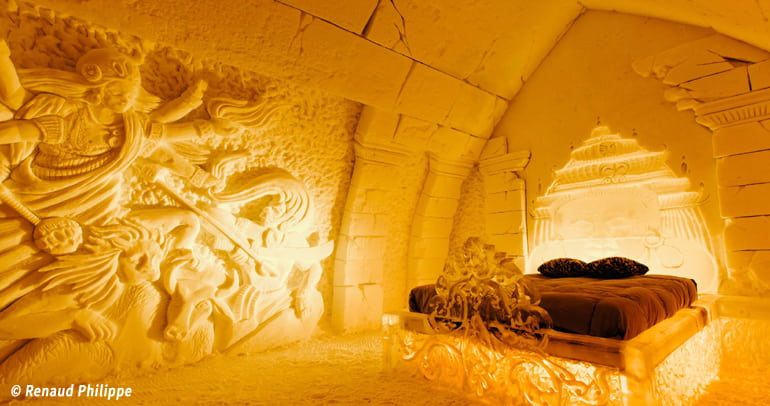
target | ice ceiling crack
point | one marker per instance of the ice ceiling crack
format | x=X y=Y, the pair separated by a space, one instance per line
x=400 y=28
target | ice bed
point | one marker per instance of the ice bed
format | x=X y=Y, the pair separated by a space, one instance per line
x=611 y=308
x=537 y=340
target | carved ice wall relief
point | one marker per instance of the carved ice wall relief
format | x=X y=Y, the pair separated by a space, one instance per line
x=614 y=198
x=140 y=230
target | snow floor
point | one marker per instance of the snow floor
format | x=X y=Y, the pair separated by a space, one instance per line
x=333 y=370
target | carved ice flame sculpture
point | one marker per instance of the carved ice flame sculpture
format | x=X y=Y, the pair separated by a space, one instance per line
x=479 y=290
x=194 y=264
x=615 y=198
x=489 y=337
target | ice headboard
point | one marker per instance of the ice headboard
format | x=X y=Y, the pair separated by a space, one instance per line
x=615 y=198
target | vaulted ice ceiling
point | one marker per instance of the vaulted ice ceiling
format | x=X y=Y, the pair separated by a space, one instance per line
x=454 y=63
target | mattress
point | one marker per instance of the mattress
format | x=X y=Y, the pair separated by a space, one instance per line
x=610 y=308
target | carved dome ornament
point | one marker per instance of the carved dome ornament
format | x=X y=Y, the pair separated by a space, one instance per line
x=615 y=198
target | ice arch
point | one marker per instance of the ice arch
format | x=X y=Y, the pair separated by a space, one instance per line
x=615 y=198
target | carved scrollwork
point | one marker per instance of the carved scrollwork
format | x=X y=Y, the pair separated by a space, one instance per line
x=614 y=172
x=506 y=375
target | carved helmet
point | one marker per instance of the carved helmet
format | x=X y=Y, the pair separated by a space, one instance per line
x=104 y=64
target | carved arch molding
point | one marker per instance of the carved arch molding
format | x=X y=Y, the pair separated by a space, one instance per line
x=726 y=83
x=155 y=209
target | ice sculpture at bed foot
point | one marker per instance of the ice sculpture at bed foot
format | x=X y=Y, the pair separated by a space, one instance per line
x=481 y=289
x=132 y=235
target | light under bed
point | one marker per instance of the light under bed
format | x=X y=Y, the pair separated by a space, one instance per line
x=669 y=363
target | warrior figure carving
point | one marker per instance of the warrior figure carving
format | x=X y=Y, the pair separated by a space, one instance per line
x=84 y=272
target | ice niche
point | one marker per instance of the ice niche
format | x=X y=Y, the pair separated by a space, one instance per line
x=614 y=198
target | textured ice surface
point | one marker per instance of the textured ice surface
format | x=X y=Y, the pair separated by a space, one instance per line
x=333 y=370
x=345 y=370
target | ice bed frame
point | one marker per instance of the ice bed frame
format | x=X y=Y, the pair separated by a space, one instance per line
x=669 y=364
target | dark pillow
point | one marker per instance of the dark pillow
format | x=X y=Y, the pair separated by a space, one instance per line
x=563 y=268
x=614 y=268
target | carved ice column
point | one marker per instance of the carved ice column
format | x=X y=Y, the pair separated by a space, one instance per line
x=505 y=202
x=727 y=85
x=358 y=270
x=434 y=218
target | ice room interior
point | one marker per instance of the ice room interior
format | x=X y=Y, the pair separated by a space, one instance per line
x=392 y=202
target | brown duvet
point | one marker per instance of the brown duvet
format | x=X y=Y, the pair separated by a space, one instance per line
x=611 y=308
